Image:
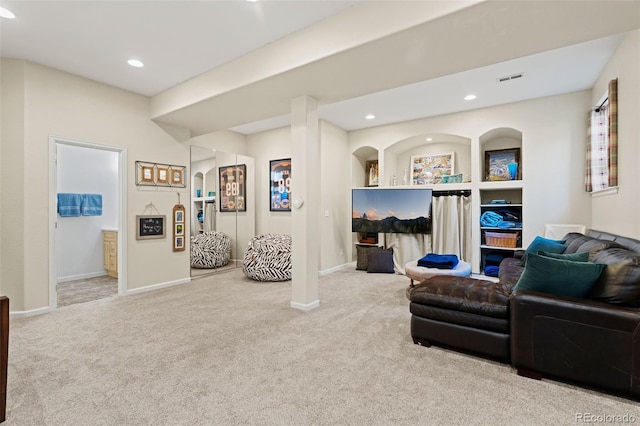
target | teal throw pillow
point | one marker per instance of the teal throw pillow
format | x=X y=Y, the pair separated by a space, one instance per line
x=575 y=257
x=558 y=276
x=543 y=244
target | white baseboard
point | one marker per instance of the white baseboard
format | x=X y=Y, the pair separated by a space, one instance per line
x=335 y=269
x=305 y=308
x=158 y=286
x=30 y=313
x=82 y=276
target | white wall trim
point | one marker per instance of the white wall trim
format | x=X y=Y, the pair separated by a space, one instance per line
x=335 y=269
x=305 y=308
x=158 y=286
x=612 y=190
x=30 y=313
x=82 y=276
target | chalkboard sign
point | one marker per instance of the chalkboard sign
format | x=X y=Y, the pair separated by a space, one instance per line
x=149 y=226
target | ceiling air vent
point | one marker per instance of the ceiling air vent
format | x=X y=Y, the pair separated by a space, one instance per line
x=510 y=77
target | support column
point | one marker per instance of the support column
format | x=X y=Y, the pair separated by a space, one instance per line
x=305 y=203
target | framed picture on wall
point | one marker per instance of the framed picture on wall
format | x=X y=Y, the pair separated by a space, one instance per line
x=150 y=226
x=145 y=173
x=162 y=173
x=232 y=188
x=280 y=185
x=429 y=169
x=176 y=176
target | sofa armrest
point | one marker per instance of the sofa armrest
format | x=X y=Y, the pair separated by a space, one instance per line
x=576 y=339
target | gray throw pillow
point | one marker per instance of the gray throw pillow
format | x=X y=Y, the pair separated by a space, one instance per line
x=362 y=261
x=380 y=261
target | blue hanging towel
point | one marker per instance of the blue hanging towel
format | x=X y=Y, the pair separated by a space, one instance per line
x=69 y=204
x=91 y=205
x=439 y=261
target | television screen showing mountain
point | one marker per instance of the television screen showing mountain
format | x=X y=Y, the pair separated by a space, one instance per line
x=388 y=210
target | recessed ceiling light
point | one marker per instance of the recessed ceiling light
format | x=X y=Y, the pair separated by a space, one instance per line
x=469 y=97
x=429 y=139
x=135 y=63
x=370 y=116
x=6 y=13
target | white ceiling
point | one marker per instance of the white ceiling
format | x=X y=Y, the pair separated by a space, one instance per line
x=178 y=40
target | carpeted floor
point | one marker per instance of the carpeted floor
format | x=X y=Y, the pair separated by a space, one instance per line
x=86 y=290
x=225 y=350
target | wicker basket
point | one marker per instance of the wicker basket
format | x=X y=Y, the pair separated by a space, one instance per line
x=501 y=239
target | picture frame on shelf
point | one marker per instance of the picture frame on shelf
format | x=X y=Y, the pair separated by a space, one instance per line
x=502 y=164
x=232 y=188
x=280 y=185
x=430 y=168
x=372 y=176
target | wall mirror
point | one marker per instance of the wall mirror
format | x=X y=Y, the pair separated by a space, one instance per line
x=222 y=210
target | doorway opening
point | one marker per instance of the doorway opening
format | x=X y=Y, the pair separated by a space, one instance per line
x=86 y=247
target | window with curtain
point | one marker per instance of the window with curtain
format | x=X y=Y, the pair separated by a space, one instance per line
x=602 y=143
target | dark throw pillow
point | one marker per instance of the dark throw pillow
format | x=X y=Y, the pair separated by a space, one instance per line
x=380 y=261
x=574 y=257
x=559 y=277
x=362 y=260
x=543 y=244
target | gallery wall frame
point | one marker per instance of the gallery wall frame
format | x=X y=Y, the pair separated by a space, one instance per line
x=280 y=185
x=429 y=169
x=232 y=188
x=178 y=227
x=157 y=174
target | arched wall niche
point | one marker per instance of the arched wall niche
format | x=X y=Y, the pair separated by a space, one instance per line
x=398 y=155
x=499 y=139
x=359 y=160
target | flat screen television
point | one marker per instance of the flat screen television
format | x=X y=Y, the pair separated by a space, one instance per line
x=389 y=210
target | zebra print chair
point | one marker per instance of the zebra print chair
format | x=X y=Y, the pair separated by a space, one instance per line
x=268 y=258
x=210 y=250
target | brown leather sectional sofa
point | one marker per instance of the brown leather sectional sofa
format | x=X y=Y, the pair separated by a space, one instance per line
x=593 y=341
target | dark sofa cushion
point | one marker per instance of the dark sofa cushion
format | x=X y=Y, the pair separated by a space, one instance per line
x=462 y=294
x=620 y=282
x=574 y=257
x=586 y=244
x=559 y=277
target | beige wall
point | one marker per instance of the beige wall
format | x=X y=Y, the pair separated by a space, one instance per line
x=618 y=213
x=64 y=105
x=553 y=150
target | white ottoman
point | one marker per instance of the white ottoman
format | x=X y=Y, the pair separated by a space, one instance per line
x=420 y=273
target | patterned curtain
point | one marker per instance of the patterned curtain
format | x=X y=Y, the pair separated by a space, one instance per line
x=602 y=143
x=613 y=132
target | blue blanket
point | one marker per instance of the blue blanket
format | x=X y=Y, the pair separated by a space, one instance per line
x=69 y=204
x=491 y=270
x=439 y=261
x=91 y=205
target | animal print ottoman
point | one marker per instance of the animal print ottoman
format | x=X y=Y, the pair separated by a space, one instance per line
x=268 y=258
x=210 y=250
